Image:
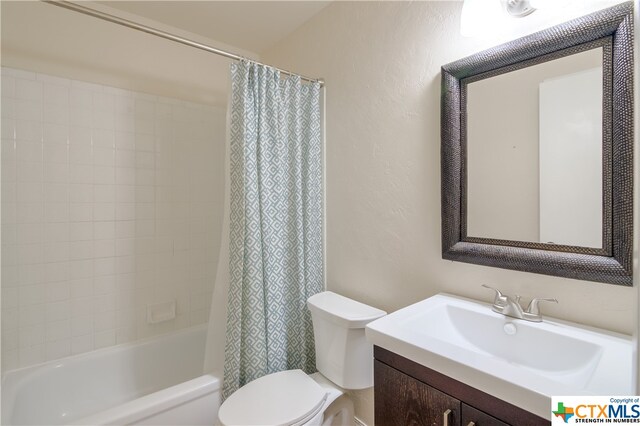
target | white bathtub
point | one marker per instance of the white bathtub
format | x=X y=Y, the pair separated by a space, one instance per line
x=157 y=381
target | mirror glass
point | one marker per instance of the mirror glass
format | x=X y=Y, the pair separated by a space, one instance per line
x=534 y=153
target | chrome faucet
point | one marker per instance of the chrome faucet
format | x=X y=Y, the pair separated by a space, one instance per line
x=510 y=307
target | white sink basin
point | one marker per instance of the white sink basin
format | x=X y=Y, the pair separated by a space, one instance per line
x=522 y=362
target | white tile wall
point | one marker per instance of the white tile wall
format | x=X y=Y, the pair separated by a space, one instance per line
x=111 y=200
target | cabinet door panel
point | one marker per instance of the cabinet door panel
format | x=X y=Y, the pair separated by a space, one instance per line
x=474 y=417
x=402 y=400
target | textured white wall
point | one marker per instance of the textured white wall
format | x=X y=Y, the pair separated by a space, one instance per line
x=381 y=62
x=111 y=201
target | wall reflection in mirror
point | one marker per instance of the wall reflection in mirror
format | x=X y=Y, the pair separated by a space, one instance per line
x=534 y=153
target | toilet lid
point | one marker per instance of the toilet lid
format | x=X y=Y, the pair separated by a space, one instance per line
x=284 y=398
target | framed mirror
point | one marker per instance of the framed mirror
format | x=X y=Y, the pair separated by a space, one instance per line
x=537 y=152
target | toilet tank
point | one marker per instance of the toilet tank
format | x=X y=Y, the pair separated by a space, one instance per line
x=343 y=354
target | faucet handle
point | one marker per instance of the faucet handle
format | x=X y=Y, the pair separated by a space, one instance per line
x=500 y=298
x=533 y=306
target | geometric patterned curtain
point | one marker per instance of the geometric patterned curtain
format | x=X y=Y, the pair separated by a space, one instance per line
x=275 y=254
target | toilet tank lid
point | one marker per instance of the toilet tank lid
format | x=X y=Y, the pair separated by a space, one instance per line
x=342 y=310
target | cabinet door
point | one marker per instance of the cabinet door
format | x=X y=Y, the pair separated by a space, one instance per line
x=474 y=417
x=402 y=400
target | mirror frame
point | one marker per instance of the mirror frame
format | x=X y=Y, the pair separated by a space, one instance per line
x=613 y=262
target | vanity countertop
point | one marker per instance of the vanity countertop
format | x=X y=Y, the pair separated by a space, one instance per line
x=524 y=363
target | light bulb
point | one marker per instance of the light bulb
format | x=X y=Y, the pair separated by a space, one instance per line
x=468 y=24
x=541 y=4
x=480 y=17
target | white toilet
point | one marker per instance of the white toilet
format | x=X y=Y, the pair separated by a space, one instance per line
x=344 y=360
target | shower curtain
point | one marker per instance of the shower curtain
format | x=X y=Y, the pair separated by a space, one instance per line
x=275 y=252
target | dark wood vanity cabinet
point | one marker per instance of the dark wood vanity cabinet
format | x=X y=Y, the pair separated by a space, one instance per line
x=407 y=393
x=402 y=400
x=474 y=417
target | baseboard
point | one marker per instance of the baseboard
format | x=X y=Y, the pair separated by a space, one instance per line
x=358 y=422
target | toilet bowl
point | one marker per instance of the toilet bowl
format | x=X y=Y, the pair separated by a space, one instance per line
x=344 y=360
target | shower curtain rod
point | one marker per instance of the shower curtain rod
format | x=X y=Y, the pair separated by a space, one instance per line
x=153 y=31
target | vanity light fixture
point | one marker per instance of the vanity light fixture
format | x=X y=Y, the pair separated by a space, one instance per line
x=518 y=8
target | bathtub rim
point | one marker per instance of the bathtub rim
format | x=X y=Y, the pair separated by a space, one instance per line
x=13 y=378
x=157 y=402
x=96 y=352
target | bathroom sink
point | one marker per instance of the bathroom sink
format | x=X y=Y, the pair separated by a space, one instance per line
x=524 y=363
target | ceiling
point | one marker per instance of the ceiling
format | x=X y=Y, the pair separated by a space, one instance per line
x=41 y=37
x=250 y=25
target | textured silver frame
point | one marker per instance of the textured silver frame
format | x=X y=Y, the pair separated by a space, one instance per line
x=611 y=29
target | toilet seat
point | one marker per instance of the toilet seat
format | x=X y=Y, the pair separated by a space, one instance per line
x=286 y=398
